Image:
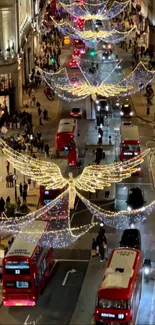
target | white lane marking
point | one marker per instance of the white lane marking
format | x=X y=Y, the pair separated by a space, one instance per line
x=34 y=322
x=151 y=319
x=70 y=260
x=25 y=323
x=67 y=275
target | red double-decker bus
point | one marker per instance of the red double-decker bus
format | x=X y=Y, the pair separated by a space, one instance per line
x=66 y=140
x=119 y=294
x=27 y=267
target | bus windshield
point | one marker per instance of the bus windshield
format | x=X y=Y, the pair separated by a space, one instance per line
x=117 y=304
x=17 y=267
x=130 y=147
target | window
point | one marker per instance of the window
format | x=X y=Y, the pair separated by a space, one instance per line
x=118 y=304
x=17 y=267
x=18 y=284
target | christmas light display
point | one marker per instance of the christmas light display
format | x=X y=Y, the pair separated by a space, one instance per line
x=88 y=35
x=91 y=179
x=103 y=84
x=97 y=11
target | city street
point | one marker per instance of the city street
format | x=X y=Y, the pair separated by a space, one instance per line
x=70 y=298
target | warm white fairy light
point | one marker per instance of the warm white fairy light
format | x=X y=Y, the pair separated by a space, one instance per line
x=92 y=178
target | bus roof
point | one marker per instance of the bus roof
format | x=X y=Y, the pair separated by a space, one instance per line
x=129 y=132
x=21 y=247
x=67 y=125
x=120 y=274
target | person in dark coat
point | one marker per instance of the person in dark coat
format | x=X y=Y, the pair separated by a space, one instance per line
x=2 y=205
x=21 y=189
x=94 y=245
x=102 y=252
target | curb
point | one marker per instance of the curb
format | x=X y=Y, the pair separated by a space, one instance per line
x=151 y=168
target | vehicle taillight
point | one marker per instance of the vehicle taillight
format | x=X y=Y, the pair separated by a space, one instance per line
x=79 y=113
x=72 y=113
x=57 y=136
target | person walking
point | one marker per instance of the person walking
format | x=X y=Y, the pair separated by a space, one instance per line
x=21 y=189
x=47 y=148
x=18 y=203
x=102 y=252
x=7 y=164
x=39 y=111
x=2 y=205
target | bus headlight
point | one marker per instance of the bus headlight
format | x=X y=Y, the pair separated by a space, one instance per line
x=131 y=113
x=121 y=113
x=129 y=208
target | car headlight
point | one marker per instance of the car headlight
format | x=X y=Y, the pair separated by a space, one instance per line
x=103 y=57
x=121 y=113
x=117 y=104
x=129 y=208
x=131 y=113
x=107 y=107
x=109 y=57
x=136 y=153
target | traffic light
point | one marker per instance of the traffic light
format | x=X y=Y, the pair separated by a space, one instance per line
x=92 y=52
x=52 y=59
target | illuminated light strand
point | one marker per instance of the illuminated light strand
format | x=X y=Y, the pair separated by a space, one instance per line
x=129 y=85
x=100 y=14
x=89 y=34
x=91 y=179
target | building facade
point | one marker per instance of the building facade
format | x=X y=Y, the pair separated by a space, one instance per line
x=18 y=36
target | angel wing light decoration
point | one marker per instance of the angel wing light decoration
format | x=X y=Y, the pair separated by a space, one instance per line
x=91 y=179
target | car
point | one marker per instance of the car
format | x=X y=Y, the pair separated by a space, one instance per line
x=75 y=81
x=126 y=110
x=73 y=64
x=131 y=238
x=98 y=23
x=135 y=199
x=76 y=53
x=76 y=112
x=106 y=55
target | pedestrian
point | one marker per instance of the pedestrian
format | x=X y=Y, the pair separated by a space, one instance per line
x=2 y=205
x=47 y=150
x=45 y=114
x=18 y=203
x=107 y=193
x=98 y=242
x=21 y=189
x=8 y=200
x=25 y=187
x=94 y=245
x=39 y=135
x=148 y=111
x=40 y=121
x=34 y=185
x=7 y=164
x=7 y=181
x=24 y=196
x=11 y=180
x=102 y=252
x=29 y=183
x=39 y=111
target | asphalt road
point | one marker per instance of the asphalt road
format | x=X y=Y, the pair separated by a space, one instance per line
x=57 y=303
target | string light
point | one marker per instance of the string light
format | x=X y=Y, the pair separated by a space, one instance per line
x=131 y=84
x=88 y=35
x=91 y=179
x=97 y=11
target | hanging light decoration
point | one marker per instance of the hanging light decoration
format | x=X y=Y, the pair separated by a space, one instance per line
x=91 y=179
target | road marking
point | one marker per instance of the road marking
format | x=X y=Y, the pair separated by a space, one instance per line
x=151 y=319
x=70 y=260
x=133 y=184
x=67 y=275
x=34 y=322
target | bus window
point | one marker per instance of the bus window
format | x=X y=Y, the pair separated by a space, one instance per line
x=118 y=304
